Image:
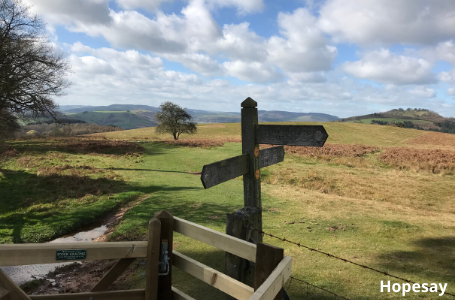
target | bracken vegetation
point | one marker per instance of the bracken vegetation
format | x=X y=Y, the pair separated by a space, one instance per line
x=435 y=161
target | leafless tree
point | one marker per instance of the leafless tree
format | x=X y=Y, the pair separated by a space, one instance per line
x=31 y=72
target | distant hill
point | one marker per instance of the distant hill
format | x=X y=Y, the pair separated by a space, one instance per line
x=417 y=118
x=122 y=119
x=130 y=116
x=112 y=107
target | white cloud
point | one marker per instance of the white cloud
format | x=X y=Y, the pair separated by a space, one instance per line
x=252 y=71
x=443 y=51
x=66 y=11
x=121 y=59
x=90 y=65
x=240 y=43
x=307 y=77
x=451 y=91
x=447 y=76
x=243 y=6
x=200 y=63
x=386 y=67
x=388 y=22
x=423 y=92
x=151 y=5
x=304 y=48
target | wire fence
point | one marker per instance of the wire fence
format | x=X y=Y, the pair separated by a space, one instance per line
x=249 y=226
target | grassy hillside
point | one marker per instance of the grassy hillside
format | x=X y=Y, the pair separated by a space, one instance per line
x=376 y=195
x=123 y=119
x=339 y=133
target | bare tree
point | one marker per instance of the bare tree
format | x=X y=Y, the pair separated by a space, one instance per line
x=174 y=120
x=31 y=72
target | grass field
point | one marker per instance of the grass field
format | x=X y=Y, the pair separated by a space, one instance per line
x=358 y=197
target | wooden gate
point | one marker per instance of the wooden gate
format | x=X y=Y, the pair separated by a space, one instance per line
x=271 y=273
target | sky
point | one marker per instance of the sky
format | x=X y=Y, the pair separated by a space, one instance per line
x=340 y=57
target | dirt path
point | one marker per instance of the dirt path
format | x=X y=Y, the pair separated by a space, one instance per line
x=82 y=276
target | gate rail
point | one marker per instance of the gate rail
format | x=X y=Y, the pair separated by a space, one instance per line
x=24 y=254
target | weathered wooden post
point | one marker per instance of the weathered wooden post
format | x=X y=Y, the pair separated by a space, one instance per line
x=251 y=180
x=165 y=261
x=153 y=257
x=238 y=225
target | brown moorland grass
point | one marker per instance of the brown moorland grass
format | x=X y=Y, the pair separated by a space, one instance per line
x=329 y=150
x=432 y=160
x=434 y=139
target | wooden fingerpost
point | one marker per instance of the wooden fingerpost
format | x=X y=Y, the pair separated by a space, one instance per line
x=166 y=240
x=251 y=180
x=153 y=257
x=267 y=258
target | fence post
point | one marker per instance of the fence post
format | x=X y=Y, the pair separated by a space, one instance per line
x=167 y=238
x=153 y=256
x=267 y=258
x=237 y=225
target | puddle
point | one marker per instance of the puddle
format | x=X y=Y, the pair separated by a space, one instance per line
x=22 y=274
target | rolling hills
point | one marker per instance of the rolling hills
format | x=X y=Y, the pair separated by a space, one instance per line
x=129 y=116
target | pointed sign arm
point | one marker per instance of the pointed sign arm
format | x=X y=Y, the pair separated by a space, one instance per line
x=224 y=170
x=292 y=135
x=271 y=156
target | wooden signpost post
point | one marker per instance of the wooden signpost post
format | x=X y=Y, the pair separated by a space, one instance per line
x=249 y=164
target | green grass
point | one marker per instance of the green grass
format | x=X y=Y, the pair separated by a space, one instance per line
x=399 y=221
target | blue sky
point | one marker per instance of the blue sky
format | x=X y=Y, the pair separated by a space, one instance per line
x=341 y=57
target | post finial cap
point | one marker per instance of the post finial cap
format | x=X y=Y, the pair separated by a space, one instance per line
x=249 y=103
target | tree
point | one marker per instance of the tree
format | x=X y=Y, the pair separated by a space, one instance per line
x=30 y=70
x=174 y=120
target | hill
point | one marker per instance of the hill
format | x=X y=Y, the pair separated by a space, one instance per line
x=422 y=119
x=122 y=119
x=147 y=114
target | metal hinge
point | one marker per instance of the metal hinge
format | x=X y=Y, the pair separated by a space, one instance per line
x=164 y=259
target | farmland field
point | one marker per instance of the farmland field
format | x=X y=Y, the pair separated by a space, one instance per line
x=376 y=195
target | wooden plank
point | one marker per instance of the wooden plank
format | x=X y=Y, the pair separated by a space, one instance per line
x=270 y=288
x=153 y=257
x=166 y=236
x=271 y=156
x=112 y=275
x=109 y=295
x=27 y=254
x=251 y=180
x=15 y=292
x=178 y=295
x=4 y=294
x=293 y=135
x=211 y=276
x=267 y=259
x=216 y=239
x=224 y=170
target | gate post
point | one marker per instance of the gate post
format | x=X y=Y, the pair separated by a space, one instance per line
x=153 y=256
x=166 y=243
x=238 y=225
